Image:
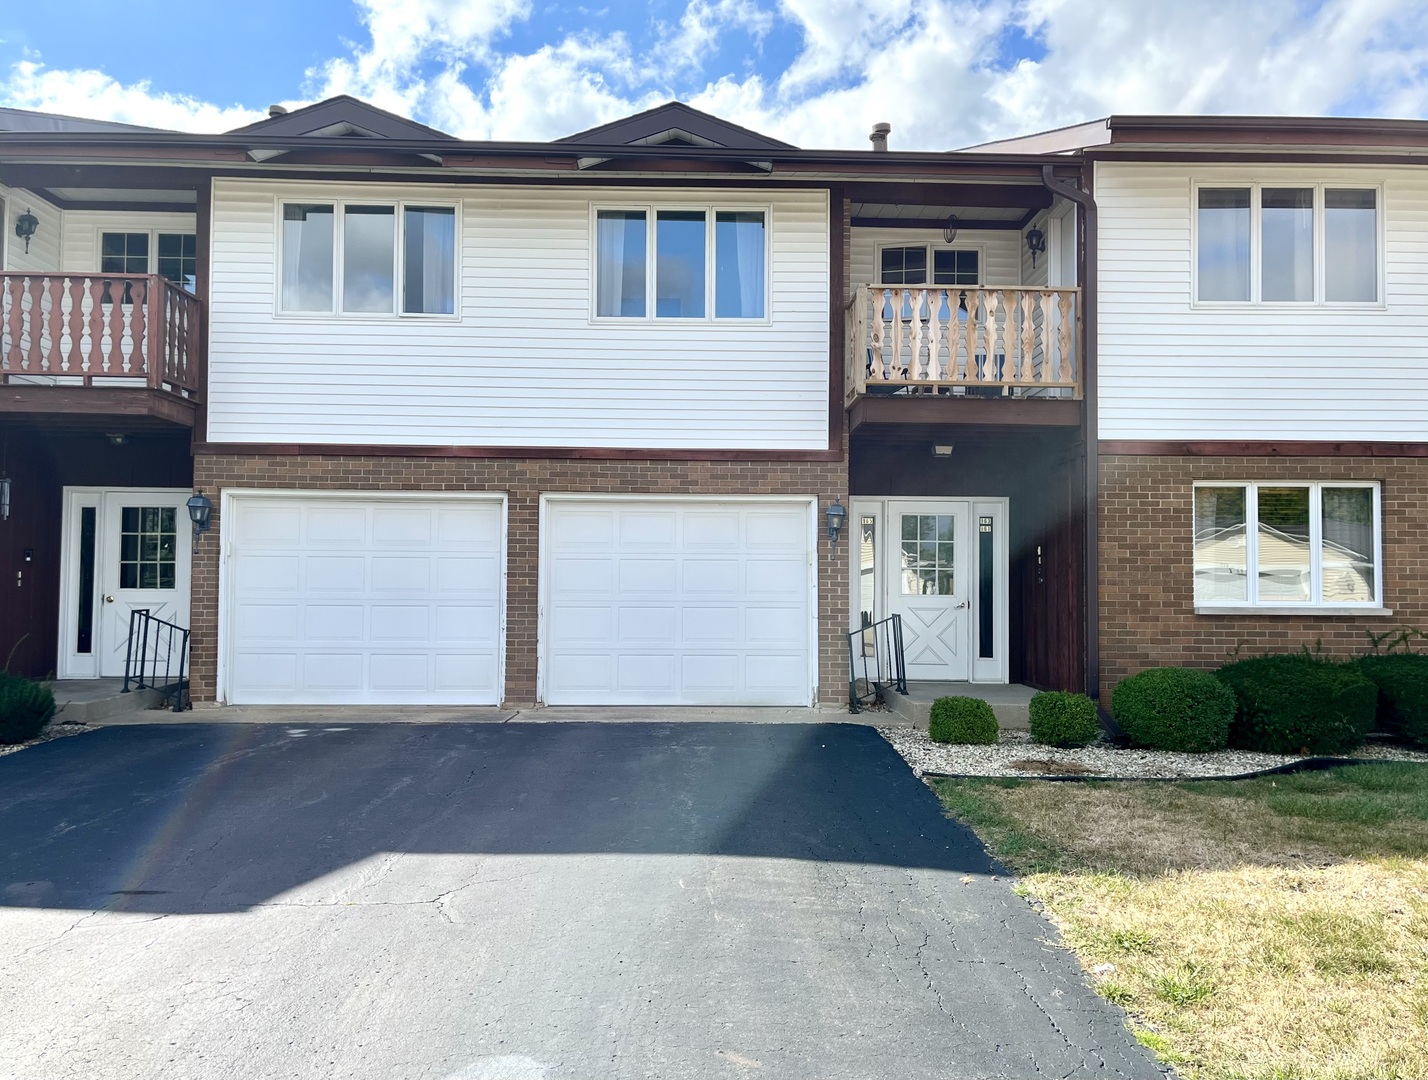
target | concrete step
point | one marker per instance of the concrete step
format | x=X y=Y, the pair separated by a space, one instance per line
x=1010 y=703
x=95 y=701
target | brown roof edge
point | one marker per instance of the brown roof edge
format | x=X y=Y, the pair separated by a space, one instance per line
x=1274 y=130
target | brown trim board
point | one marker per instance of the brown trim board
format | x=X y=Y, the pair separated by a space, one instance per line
x=1198 y=448
x=575 y=453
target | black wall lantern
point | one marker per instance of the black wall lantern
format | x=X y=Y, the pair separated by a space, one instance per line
x=836 y=517
x=25 y=226
x=1035 y=243
x=199 y=512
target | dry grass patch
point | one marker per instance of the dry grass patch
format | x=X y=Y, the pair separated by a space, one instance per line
x=1255 y=930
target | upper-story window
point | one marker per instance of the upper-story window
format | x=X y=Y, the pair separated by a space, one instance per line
x=178 y=258
x=909 y=266
x=1295 y=244
x=176 y=255
x=368 y=258
x=124 y=253
x=701 y=261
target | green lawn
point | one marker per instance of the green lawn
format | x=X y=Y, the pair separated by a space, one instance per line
x=1273 y=928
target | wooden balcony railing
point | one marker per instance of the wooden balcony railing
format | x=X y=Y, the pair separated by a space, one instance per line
x=1018 y=342
x=98 y=330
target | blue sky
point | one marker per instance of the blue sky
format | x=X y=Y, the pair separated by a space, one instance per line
x=945 y=73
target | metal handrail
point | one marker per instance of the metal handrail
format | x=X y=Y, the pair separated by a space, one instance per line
x=141 y=661
x=875 y=662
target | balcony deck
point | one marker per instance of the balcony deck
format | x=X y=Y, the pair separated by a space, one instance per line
x=105 y=344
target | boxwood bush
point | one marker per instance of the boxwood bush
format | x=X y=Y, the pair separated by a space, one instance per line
x=1174 y=709
x=1299 y=705
x=1402 y=681
x=25 y=708
x=1063 y=719
x=962 y=720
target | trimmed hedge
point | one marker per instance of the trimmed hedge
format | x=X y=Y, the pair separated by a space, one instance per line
x=1299 y=705
x=1063 y=719
x=1174 y=709
x=25 y=708
x=962 y=720
x=1402 y=681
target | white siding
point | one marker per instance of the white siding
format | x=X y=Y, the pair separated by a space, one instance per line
x=1001 y=264
x=523 y=364
x=1171 y=370
x=44 y=253
x=82 y=229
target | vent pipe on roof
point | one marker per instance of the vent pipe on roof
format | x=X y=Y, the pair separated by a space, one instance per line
x=277 y=110
x=879 y=137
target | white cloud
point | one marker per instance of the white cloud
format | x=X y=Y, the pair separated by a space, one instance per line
x=935 y=69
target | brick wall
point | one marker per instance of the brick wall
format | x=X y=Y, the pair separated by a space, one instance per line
x=524 y=480
x=1146 y=578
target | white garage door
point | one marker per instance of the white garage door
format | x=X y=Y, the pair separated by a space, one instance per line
x=677 y=602
x=363 y=600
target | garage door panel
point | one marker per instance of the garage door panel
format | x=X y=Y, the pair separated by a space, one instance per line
x=384 y=603
x=689 y=598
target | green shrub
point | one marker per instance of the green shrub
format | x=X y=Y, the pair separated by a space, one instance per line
x=1402 y=681
x=962 y=720
x=1299 y=704
x=25 y=708
x=1062 y=719
x=1174 y=709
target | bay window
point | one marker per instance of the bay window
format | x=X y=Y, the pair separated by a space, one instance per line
x=1285 y=544
x=1289 y=244
x=703 y=261
x=359 y=258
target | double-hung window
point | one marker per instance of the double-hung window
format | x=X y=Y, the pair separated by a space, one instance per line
x=1284 y=544
x=1287 y=243
x=681 y=263
x=368 y=258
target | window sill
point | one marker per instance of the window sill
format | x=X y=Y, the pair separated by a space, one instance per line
x=1245 y=609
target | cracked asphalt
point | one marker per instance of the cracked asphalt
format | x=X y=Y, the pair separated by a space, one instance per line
x=517 y=902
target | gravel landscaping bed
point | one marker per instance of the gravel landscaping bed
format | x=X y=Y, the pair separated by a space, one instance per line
x=51 y=731
x=1014 y=754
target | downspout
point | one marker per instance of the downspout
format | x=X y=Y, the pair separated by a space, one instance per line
x=1090 y=425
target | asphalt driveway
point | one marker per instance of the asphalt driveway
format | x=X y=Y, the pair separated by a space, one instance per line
x=516 y=902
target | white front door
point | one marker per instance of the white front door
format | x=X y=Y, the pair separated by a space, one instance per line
x=929 y=572
x=125 y=549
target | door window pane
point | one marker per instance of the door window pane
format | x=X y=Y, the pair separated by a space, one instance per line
x=1351 y=245
x=148 y=547
x=1283 y=539
x=954 y=268
x=84 y=634
x=620 y=254
x=178 y=258
x=1287 y=233
x=1223 y=234
x=986 y=589
x=679 y=264
x=429 y=260
x=369 y=236
x=307 y=257
x=904 y=266
x=124 y=253
x=1346 y=549
x=928 y=555
x=738 y=264
x=1220 y=556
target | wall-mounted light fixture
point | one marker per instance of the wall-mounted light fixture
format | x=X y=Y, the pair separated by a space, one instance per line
x=1035 y=243
x=200 y=511
x=837 y=515
x=25 y=226
x=943 y=450
x=949 y=230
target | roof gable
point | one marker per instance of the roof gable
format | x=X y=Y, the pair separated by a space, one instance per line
x=675 y=124
x=343 y=115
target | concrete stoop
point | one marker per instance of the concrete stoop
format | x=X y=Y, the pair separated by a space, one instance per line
x=1011 y=703
x=97 y=701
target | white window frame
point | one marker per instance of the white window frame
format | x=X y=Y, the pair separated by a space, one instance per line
x=1253 y=605
x=651 y=252
x=153 y=235
x=932 y=247
x=1257 y=244
x=335 y=311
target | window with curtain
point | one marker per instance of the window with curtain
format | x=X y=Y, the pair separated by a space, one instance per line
x=429 y=260
x=681 y=263
x=1287 y=544
x=369 y=274
x=1351 y=245
x=1286 y=229
x=1223 y=228
x=308 y=237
